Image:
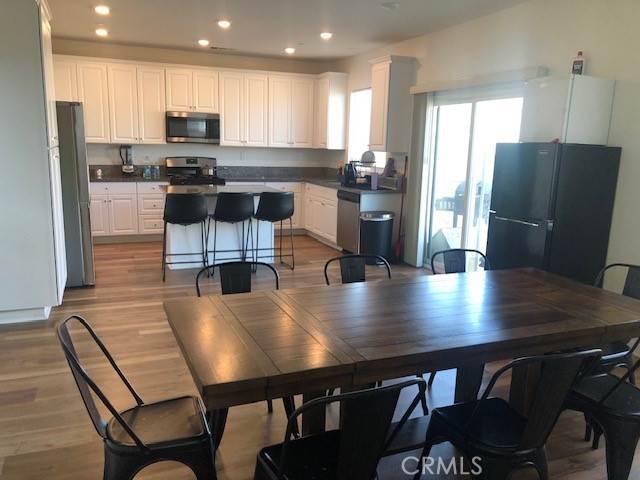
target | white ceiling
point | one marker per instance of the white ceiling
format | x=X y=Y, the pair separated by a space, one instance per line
x=266 y=27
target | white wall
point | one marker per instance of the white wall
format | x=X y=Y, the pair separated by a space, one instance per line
x=547 y=33
x=102 y=154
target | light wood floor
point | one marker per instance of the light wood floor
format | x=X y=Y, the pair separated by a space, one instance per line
x=45 y=433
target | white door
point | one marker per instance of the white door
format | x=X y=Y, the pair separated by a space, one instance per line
x=317 y=221
x=58 y=221
x=179 y=89
x=99 y=211
x=93 y=93
x=123 y=103
x=151 y=105
x=379 y=107
x=66 y=80
x=49 y=87
x=256 y=119
x=231 y=109
x=123 y=215
x=279 y=111
x=301 y=112
x=297 y=213
x=205 y=91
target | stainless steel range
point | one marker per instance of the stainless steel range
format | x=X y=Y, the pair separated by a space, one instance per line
x=193 y=171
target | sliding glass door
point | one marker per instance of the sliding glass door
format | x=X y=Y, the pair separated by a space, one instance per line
x=464 y=137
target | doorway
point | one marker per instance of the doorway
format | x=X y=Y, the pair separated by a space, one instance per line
x=464 y=136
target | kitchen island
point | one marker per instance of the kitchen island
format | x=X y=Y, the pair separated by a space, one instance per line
x=181 y=239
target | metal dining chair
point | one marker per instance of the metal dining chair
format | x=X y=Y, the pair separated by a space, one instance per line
x=611 y=406
x=353 y=266
x=353 y=451
x=235 y=277
x=147 y=433
x=618 y=353
x=503 y=439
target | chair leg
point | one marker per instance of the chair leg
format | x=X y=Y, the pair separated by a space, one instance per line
x=164 y=250
x=121 y=467
x=432 y=377
x=215 y=238
x=622 y=439
x=629 y=361
x=270 y=406
x=201 y=461
x=293 y=257
x=204 y=245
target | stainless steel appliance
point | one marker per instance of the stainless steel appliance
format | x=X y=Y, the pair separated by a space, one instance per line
x=348 y=236
x=193 y=171
x=551 y=207
x=193 y=127
x=75 y=194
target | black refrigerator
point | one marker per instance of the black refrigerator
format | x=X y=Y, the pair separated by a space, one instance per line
x=551 y=207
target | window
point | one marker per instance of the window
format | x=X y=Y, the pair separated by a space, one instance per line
x=359 y=123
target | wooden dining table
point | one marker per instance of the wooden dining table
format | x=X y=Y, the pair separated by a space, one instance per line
x=270 y=344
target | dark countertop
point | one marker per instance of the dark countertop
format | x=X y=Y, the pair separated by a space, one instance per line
x=322 y=182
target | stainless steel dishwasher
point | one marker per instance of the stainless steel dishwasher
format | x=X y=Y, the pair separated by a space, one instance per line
x=348 y=221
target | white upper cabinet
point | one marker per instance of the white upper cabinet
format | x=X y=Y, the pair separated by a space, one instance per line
x=66 y=80
x=192 y=90
x=231 y=109
x=123 y=103
x=391 y=104
x=279 y=111
x=179 y=89
x=302 y=112
x=290 y=111
x=243 y=109
x=151 y=105
x=205 y=91
x=330 y=111
x=94 y=95
x=136 y=104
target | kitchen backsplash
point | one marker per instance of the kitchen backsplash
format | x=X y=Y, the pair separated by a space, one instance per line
x=104 y=154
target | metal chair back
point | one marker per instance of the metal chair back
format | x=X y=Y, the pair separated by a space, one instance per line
x=455 y=260
x=235 y=277
x=353 y=266
x=632 y=281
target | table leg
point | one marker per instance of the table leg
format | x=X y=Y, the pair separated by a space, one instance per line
x=524 y=383
x=217 y=420
x=468 y=382
x=313 y=421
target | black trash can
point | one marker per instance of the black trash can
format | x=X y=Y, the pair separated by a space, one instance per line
x=376 y=229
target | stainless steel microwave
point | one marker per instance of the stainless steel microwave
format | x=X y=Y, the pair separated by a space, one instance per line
x=193 y=127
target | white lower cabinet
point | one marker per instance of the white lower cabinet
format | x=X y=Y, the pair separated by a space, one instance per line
x=114 y=208
x=321 y=211
x=150 y=207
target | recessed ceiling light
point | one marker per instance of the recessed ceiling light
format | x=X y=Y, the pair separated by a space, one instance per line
x=389 y=5
x=102 y=10
x=290 y=50
x=203 y=42
x=224 y=23
x=326 y=35
x=102 y=32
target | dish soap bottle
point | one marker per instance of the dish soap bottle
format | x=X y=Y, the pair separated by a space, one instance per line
x=578 y=64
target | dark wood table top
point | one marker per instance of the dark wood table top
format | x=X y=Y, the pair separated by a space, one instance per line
x=249 y=347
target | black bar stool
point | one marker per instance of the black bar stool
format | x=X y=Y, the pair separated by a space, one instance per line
x=184 y=209
x=231 y=208
x=275 y=207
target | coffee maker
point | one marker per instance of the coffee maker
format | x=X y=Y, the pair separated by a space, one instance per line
x=126 y=155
